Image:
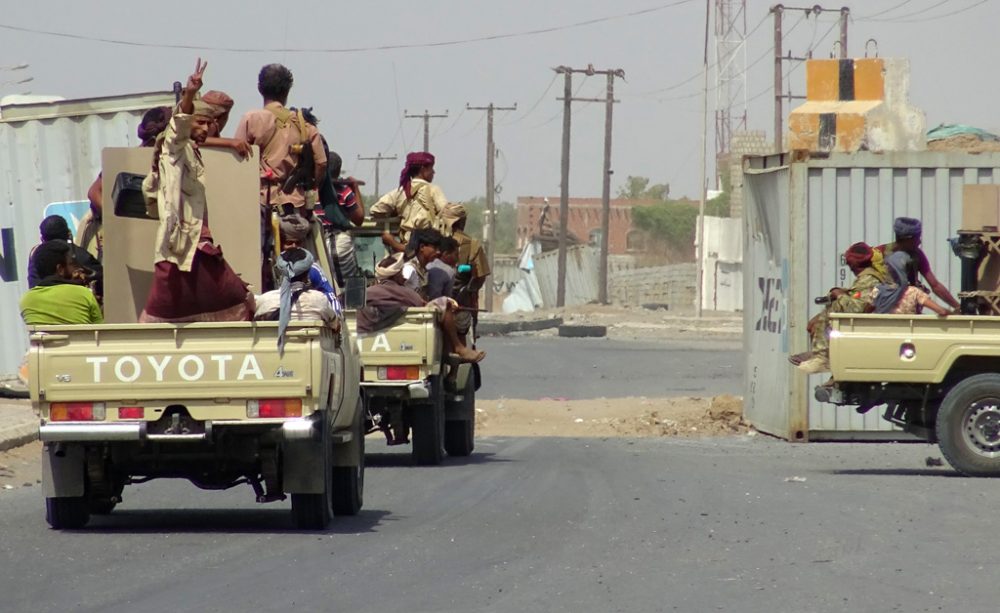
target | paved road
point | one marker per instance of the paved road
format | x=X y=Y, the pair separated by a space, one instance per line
x=542 y=525
x=537 y=367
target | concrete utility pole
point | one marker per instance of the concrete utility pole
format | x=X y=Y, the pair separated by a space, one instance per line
x=378 y=159
x=427 y=120
x=491 y=190
x=700 y=268
x=779 y=97
x=608 y=100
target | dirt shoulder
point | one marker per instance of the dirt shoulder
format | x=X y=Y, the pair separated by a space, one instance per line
x=604 y=417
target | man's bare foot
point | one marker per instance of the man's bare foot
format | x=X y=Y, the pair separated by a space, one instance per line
x=470 y=355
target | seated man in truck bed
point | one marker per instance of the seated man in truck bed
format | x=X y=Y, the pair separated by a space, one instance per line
x=60 y=296
x=295 y=299
x=856 y=299
x=387 y=301
x=898 y=297
x=908 y=233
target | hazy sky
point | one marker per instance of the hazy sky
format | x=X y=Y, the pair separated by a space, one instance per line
x=360 y=95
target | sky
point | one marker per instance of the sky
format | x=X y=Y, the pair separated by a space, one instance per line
x=360 y=89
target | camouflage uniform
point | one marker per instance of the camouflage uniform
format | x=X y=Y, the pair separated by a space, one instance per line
x=858 y=299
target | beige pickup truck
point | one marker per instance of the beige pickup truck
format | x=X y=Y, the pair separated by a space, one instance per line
x=407 y=376
x=938 y=378
x=213 y=403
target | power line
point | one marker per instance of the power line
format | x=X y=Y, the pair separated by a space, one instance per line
x=883 y=12
x=942 y=16
x=533 y=106
x=387 y=47
x=919 y=12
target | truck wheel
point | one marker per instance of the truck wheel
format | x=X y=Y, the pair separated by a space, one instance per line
x=313 y=511
x=968 y=426
x=348 y=485
x=67 y=513
x=460 y=434
x=428 y=427
x=101 y=506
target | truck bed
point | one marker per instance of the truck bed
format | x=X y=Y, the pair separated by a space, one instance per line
x=907 y=348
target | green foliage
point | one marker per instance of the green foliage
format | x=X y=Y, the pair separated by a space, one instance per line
x=670 y=225
x=638 y=188
x=506 y=228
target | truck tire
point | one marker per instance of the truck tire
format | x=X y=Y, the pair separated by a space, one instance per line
x=968 y=426
x=314 y=511
x=101 y=506
x=428 y=427
x=68 y=513
x=460 y=434
x=348 y=482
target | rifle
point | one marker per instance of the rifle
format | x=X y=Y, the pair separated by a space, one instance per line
x=304 y=173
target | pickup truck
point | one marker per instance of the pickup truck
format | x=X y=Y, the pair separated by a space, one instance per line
x=939 y=379
x=214 y=403
x=406 y=371
x=209 y=402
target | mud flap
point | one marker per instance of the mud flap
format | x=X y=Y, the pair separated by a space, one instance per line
x=63 y=474
x=302 y=467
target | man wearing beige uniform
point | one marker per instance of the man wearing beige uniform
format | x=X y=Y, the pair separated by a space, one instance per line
x=281 y=134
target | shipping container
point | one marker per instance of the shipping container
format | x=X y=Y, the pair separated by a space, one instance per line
x=800 y=215
x=51 y=152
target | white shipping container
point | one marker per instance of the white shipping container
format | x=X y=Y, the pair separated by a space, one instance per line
x=51 y=152
x=800 y=216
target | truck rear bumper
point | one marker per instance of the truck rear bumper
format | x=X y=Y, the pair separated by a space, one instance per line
x=305 y=429
x=412 y=390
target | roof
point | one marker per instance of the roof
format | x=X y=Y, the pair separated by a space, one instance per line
x=84 y=106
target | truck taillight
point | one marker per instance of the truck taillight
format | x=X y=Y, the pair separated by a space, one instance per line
x=399 y=373
x=275 y=407
x=131 y=412
x=76 y=411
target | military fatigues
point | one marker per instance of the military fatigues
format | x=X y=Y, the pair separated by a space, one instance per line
x=858 y=299
x=420 y=211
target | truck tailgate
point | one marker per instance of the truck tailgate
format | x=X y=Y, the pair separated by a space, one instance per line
x=907 y=348
x=170 y=362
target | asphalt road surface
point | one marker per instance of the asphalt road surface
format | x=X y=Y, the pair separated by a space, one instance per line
x=579 y=368
x=738 y=524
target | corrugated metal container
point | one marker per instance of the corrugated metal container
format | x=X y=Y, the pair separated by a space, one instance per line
x=582 y=262
x=51 y=152
x=800 y=216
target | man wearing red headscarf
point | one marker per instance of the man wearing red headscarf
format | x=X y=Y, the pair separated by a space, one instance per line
x=856 y=299
x=417 y=201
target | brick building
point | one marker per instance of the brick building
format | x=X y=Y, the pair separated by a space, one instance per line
x=536 y=218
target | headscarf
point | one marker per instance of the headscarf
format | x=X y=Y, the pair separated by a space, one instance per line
x=451 y=213
x=858 y=255
x=414 y=160
x=294 y=227
x=889 y=294
x=54 y=227
x=906 y=227
x=389 y=267
x=290 y=264
x=220 y=101
x=154 y=121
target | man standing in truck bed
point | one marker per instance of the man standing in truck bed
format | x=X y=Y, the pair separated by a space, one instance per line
x=282 y=134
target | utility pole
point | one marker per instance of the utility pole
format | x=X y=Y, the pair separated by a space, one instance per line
x=378 y=159
x=609 y=101
x=491 y=189
x=564 y=186
x=700 y=281
x=777 y=10
x=427 y=120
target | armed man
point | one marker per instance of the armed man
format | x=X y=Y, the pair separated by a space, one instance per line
x=292 y=159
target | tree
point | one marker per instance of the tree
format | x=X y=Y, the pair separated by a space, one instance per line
x=506 y=228
x=638 y=188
